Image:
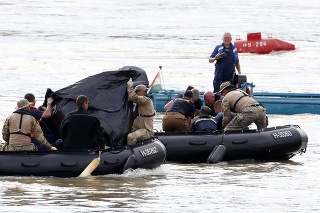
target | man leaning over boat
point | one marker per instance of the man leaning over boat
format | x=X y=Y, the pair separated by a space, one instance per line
x=178 y=116
x=248 y=110
x=18 y=127
x=142 y=128
x=204 y=122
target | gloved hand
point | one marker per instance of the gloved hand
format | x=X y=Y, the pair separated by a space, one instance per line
x=130 y=83
x=49 y=100
x=53 y=148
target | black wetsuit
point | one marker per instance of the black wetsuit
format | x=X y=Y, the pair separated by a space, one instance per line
x=81 y=130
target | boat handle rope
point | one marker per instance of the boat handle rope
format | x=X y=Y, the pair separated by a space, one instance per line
x=198 y=143
x=240 y=142
x=69 y=164
x=30 y=164
x=111 y=163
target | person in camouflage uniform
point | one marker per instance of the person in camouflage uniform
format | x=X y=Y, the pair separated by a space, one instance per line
x=17 y=128
x=248 y=110
x=142 y=128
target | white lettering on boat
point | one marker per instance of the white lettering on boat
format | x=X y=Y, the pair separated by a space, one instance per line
x=149 y=151
x=282 y=134
x=255 y=44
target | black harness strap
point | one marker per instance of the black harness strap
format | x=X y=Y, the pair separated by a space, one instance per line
x=244 y=95
x=19 y=130
x=135 y=111
x=146 y=116
x=183 y=99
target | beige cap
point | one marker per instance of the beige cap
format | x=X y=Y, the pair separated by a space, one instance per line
x=23 y=103
x=225 y=85
x=205 y=111
x=141 y=87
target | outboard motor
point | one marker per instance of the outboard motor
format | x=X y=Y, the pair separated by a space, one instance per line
x=238 y=80
x=142 y=79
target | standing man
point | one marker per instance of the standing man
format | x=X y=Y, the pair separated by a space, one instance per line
x=18 y=127
x=226 y=55
x=80 y=129
x=142 y=128
x=178 y=116
x=248 y=110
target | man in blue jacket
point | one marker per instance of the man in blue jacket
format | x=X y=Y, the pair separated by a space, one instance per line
x=226 y=57
x=204 y=122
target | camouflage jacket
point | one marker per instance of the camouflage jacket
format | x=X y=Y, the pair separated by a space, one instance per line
x=145 y=114
x=16 y=135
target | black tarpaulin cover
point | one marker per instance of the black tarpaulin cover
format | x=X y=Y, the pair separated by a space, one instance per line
x=108 y=100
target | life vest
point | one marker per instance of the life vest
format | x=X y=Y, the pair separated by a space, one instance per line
x=31 y=134
x=205 y=125
x=243 y=95
x=19 y=129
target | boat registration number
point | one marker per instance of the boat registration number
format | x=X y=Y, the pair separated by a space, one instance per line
x=255 y=44
x=149 y=151
x=282 y=134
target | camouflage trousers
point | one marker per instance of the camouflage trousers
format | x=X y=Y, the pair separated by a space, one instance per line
x=248 y=116
x=8 y=147
x=138 y=136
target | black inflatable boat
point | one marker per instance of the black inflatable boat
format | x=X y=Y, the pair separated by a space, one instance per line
x=276 y=143
x=149 y=154
x=115 y=115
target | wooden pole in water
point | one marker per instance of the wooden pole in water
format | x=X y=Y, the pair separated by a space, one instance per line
x=91 y=167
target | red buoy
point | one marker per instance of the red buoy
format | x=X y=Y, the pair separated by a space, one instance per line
x=256 y=44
